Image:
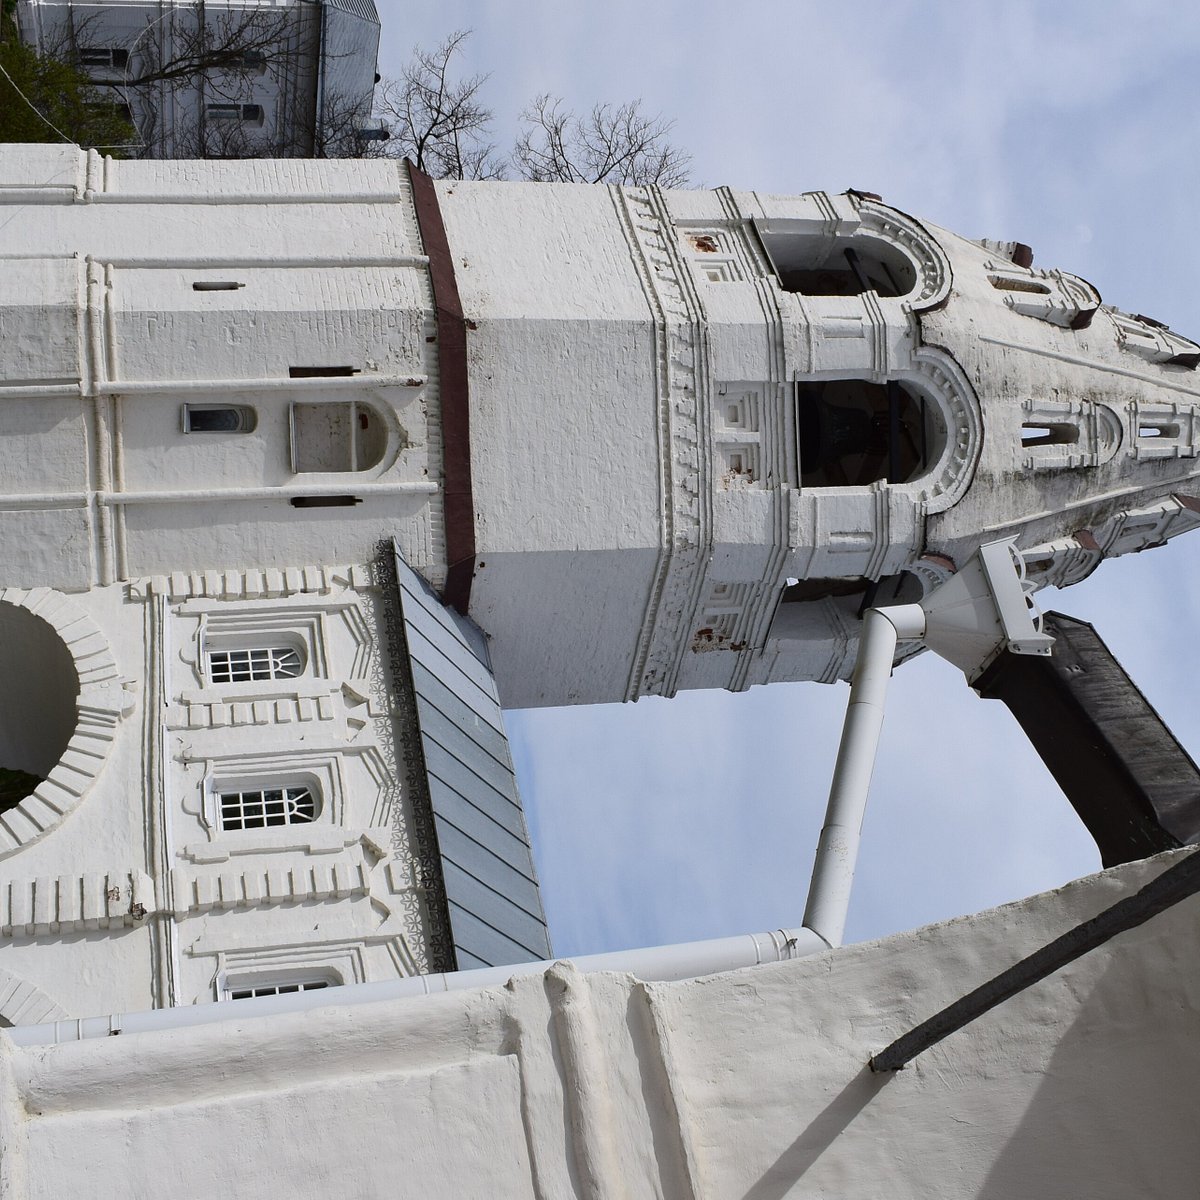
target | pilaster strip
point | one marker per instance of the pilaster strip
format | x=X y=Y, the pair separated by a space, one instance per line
x=452 y=373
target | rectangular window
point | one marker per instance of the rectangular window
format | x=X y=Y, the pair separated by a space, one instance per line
x=262 y=809
x=266 y=988
x=218 y=418
x=116 y=60
x=253 y=664
x=249 y=113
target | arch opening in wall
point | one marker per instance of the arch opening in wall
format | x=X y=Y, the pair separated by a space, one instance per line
x=813 y=265
x=38 y=707
x=339 y=435
x=852 y=432
x=1064 y=434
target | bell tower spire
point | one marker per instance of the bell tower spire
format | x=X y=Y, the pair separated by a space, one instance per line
x=709 y=428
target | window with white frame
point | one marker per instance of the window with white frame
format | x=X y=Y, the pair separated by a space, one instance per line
x=263 y=808
x=218 y=418
x=248 y=989
x=252 y=664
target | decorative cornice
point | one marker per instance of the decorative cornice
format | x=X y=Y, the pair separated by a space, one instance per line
x=684 y=440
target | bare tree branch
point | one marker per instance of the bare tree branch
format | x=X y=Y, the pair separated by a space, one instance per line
x=438 y=120
x=611 y=144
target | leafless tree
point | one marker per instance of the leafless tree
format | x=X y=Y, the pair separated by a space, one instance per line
x=440 y=121
x=611 y=144
x=437 y=119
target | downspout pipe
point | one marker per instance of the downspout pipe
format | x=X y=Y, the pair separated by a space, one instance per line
x=684 y=961
x=837 y=848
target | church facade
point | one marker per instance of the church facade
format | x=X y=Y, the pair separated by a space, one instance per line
x=255 y=413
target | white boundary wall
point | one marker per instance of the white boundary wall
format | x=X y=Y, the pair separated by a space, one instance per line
x=749 y=1084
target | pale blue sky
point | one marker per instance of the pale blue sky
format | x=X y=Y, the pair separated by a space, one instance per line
x=1070 y=126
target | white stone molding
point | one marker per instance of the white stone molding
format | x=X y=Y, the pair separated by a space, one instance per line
x=685 y=463
x=1144 y=528
x=1056 y=297
x=320 y=770
x=24 y=1003
x=852 y=532
x=1063 y=561
x=104 y=698
x=1080 y=433
x=738 y=417
x=1152 y=340
x=75 y=903
x=336 y=877
x=934 y=275
x=268 y=583
x=1167 y=429
x=235 y=968
x=225 y=714
x=941 y=380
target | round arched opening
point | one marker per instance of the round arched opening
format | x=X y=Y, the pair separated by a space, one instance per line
x=852 y=432
x=839 y=266
x=38 y=711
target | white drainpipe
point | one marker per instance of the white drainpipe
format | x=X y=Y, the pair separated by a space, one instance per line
x=837 y=850
x=685 y=961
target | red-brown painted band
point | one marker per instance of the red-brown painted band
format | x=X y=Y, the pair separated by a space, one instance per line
x=452 y=371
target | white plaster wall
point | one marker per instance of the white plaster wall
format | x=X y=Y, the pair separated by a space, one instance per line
x=134 y=897
x=752 y=1083
x=105 y=340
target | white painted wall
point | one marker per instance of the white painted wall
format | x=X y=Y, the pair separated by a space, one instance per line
x=752 y=1083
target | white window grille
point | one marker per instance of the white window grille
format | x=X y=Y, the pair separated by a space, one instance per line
x=278 y=988
x=263 y=808
x=254 y=664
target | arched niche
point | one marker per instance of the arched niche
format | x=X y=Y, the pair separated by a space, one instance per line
x=918 y=432
x=885 y=252
x=59 y=712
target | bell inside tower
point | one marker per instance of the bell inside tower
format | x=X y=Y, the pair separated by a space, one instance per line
x=852 y=433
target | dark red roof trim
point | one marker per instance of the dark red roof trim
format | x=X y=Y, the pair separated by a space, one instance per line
x=452 y=372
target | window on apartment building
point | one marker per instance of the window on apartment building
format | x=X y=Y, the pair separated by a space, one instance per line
x=339 y=435
x=254 y=60
x=247 y=114
x=264 y=808
x=219 y=418
x=111 y=58
x=252 y=664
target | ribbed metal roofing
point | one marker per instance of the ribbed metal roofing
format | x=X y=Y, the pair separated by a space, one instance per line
x=495 y=907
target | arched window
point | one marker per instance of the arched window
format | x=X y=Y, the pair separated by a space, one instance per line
x=248 y=987
x=219 y=418
x=264 y=808
x=336 y=435
x=839 y=266
x=252 y=664
x=852 y=433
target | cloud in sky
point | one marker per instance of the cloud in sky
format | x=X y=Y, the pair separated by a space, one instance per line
x=1069 y=126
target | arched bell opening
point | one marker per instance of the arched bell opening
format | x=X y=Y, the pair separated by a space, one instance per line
x=38 y=705
x=852 y=433
x=839 y=266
